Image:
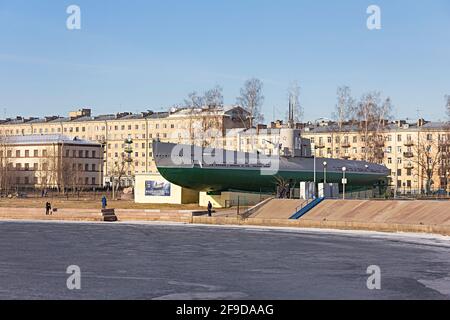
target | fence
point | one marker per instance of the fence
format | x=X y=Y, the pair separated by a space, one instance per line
x=54 y=194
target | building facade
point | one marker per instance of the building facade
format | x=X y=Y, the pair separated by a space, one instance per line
x=49 y=162
x=127 y=137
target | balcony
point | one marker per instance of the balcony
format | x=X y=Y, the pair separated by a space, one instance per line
x=408 y=165
x=346 y=144
x=346 y=156
x=408 y=143
x=408 y=154
x=320 y=145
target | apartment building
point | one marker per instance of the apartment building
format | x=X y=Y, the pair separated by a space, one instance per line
x=127 y=137
x=417 y=154
x=49 y=161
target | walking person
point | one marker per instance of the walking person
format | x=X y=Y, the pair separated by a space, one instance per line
x=210 y=207
x=104 y=202
x=48 y=208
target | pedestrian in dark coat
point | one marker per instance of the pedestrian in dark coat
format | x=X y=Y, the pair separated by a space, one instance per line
x=48 y=208
x=210 y=207
x=104 y=202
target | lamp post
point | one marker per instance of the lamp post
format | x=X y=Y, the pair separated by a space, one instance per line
x=344 y=182
x=313 y=147
x=324 y=172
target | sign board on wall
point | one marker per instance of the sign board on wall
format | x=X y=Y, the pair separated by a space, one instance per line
x=157 y=189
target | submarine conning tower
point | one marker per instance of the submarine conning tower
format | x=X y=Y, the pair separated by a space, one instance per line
x=293 y=145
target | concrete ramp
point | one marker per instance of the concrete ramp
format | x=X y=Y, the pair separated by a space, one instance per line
x=279 y=209
x=418 y=212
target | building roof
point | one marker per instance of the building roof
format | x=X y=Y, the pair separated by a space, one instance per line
x=390 y=127
x=46 y=139
x=175 y=112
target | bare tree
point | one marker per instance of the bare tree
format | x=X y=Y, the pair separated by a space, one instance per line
x=428 y=156
x=118 y=171
x=7 y=172
x=211 y=97
x=344 y=115
x=66 y=173
x=251 y=99
x=447 y=107
x=372 y=113
x=214 y=97
x=345 y=106
x=195 y=103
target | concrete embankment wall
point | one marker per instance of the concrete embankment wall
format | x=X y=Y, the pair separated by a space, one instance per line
x=61 y=214
x=432 y=213
x=338 y=225
x=96 y=215
x=384 y=216
x=278 y=209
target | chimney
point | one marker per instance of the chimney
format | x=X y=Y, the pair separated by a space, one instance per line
x=421 y=122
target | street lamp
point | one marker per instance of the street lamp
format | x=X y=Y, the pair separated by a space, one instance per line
x=313 y=147
x=344 y=182
x=325 y=172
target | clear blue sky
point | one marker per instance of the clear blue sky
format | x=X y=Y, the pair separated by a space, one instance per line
x=140 y=54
